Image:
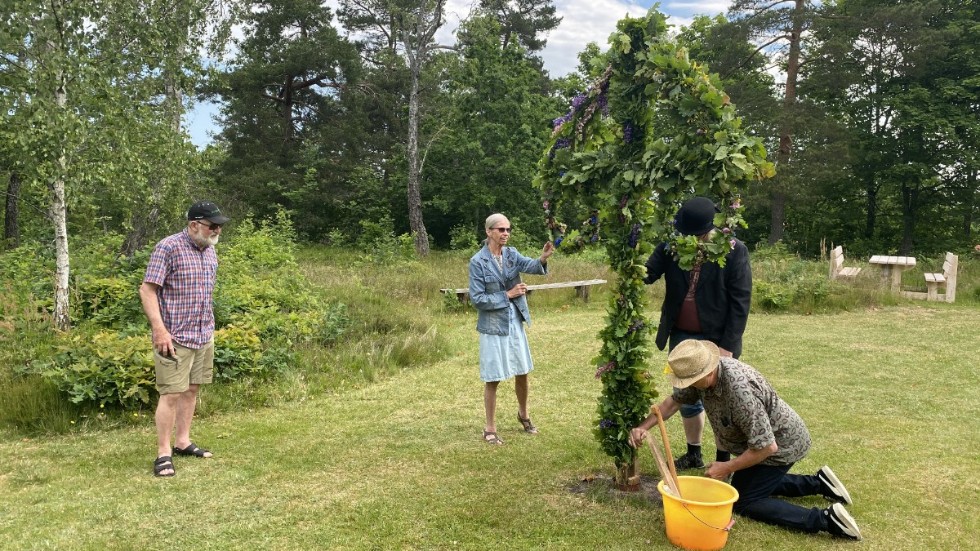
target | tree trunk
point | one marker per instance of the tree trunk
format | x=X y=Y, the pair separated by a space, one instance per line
x=969 y=204
x=910 y=200
x=627 y=478
x=783 y=157
x=871 y=216
x=58 y=213
x=416 y=223
x=11 y=227
x=145 y=224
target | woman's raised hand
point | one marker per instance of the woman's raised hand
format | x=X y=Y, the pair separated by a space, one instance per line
x=547 y=250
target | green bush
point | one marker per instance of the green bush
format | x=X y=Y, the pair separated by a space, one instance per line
x=782 y=282
x=238 y=353
x=462 y=238
x=103 y=368
x=263 y=306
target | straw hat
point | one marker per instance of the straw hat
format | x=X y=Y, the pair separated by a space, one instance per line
x=690 y=361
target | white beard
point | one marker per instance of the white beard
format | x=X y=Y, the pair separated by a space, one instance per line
x=205 y=242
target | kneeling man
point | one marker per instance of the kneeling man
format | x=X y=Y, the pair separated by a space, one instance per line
x=768 y=437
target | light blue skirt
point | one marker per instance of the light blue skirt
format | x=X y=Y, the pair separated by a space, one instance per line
x=504 y=356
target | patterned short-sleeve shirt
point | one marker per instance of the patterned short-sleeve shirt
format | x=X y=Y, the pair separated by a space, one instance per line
x=745 y=413
x=186 y=275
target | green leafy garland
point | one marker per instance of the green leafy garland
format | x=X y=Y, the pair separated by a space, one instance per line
x=654 y=130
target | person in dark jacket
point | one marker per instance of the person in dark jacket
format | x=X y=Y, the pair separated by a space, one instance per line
x=707 y=302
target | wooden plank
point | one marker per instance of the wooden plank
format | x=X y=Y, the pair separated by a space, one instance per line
x=581 y=288
x=566 y=284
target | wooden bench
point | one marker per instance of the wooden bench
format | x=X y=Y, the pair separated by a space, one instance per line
x=837 y=268
x=946 y=279
x=581 y=288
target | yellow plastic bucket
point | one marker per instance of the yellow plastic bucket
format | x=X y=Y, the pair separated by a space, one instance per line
x=699 y=521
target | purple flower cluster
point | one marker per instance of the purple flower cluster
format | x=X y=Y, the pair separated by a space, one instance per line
x=602 y=102
x=606 y=424
x=609 y=366
x=556 y=124
x=558 y=240
x=634 y=237
x=594 y=238
x=636 y=326
x=628 y=132
x=578 y=101
x=560 y=143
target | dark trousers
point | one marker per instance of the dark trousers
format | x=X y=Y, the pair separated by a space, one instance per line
x=756 y=487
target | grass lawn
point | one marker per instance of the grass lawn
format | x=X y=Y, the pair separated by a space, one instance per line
x=889 y=396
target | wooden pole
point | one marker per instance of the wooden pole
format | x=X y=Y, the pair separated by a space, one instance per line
x=670 y=456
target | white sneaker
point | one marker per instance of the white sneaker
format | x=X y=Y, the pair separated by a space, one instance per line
x=840 y=523
x=835 y=488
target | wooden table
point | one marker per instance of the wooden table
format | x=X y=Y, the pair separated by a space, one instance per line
x=892 y=268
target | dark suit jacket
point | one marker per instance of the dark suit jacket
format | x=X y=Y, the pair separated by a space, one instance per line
x=723 y=296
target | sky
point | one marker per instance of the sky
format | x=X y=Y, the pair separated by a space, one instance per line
x=583 y=21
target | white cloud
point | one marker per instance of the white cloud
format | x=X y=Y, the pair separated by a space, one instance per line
x=583 y=21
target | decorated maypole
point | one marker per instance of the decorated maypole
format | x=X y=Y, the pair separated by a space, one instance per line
x=653 y=130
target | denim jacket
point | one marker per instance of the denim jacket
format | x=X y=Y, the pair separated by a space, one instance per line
x=488 y=288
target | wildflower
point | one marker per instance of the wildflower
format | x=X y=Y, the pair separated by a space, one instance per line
x=636 y=326
x=606 y=424
x=546 y=205
x=558 y=240
x=737 y=204
x=726 y=231
x=732 y=242
x=577 y=101
x=628 y=133
x=594 y=238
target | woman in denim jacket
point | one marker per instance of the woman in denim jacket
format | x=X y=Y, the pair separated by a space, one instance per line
x=498 y=294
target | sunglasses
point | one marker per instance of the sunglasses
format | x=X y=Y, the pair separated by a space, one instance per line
x=503 y=230
x=212 y=227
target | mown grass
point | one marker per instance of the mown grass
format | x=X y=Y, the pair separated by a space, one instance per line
x=376 y=444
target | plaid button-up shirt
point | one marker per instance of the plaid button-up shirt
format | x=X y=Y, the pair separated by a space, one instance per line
x=186 y=276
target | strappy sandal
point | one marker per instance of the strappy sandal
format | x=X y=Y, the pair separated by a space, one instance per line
x=163 y=463
x=527 y=424
x=492 y=438
x=192 y=449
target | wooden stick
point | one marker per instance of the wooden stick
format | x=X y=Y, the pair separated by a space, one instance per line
x=668 y=481
x=670 y=456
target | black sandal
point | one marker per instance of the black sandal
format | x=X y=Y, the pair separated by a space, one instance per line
x=192 y=449
x=492 y=438
x=163 y=463
x=527 y=424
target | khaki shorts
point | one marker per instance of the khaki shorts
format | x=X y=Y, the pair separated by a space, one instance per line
x=189 y=367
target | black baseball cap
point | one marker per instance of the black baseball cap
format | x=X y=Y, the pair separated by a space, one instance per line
x=206 y=210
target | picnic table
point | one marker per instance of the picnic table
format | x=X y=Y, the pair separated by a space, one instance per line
x=892 y=268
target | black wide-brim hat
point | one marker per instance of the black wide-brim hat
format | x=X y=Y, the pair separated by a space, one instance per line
x=696 y=216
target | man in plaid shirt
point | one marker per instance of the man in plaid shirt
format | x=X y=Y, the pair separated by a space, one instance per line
x=177 y=298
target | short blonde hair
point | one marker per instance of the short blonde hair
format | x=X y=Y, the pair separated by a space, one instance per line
x=493 y=219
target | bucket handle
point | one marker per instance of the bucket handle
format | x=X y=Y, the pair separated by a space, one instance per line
x=727 y=528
